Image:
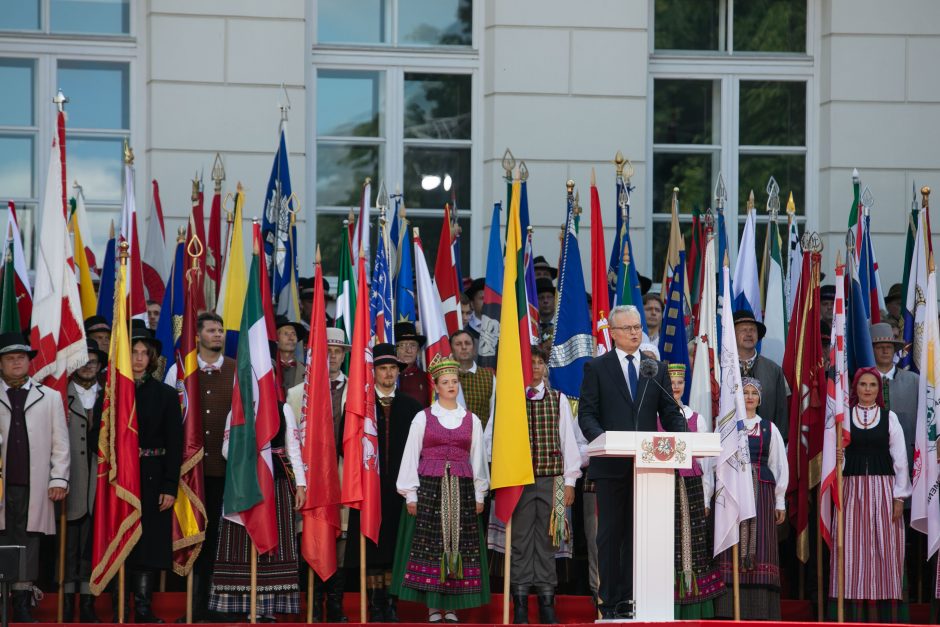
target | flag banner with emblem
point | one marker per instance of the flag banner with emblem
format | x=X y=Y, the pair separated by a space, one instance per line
x=803 y=369
x=24 y=293
x=81 y=240
x=232 y=291
x=673 y=341
x=213 y=278
x=573 y=345
x=868 y=274
x=794 y=255
x=621 y=193
x=445 y=277
x=361 y=488
x=280 y=233
x=197 y=227
x=9 y=312
x=253 y=422
x=359 y=240
x=429 y=307
x=172 y=308
x=189 y=509
x=108 y=276
x=510 y=422
x=837 y=406
x=858 y=336
x=704 y=389
x=404 y=304
x=600 y=294
x=627 y=283
x=154 y=259
x=117 y=523
x=321 y=517
x=746 y=285
x=734 y=486
x=906 y=360
x=345 y=292
x=492 y=295
x=380 y=296
x=530 y=294
x=694 y=260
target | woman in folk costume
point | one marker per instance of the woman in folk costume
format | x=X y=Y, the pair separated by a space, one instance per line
x=759 y=562
x=278 y=583
x=160 y=430
x=698 y=581
x=440 y=559
x=875 y=483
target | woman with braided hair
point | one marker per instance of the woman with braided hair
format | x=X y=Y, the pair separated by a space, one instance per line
x=758 y=559
x=440 y=558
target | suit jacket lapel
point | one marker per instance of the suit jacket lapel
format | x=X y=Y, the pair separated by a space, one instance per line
x=34 y=396
x=616 y=372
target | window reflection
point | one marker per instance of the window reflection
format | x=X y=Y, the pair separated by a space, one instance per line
x=351 y=21
x=685 y=112
x=437 y=106
x=349 y=103
x=789 y=170
x=435 y=22
x=770 y=26
x=110 y=17
x=693 y=174
x=16 y=166
x=773 y=113
x=96 y=162
x=688 y=25
x=19 y=15
x=16 y=79
x=98 y=93
x=341 y=169
x=434 y=175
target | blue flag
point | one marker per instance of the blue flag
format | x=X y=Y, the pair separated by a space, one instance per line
x=574 y=338
x=380 y=297
x=405 y=281
x=859 y=352
x=279 y=233
x=395 y=233
x=106 y=286
x=673 y=342
x=492 y=295
x=616 y=248
x=628 y=290
x=171 y=310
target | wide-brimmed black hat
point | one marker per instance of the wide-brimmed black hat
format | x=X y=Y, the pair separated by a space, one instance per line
x=478 y=285
x=282 y=321
x=140 y=333
x=102 y=356
x=408 y=331
x=540 y=263
x=894 y=293
x=544 y=285
x=385 y=353
x=646 y=283
x=742 y=315
x=305 y=286
x=14 y=342
x=827 y=292
x=96 y=323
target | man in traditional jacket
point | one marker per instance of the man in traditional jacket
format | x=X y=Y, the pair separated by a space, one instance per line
x=478 y=384
x=85 y=397
x=35 y=448
x=413 y=380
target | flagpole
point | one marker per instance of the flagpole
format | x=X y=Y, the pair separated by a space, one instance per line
x=736 y=582
x=362 y=572
x=310 y=600
x=840 y=542
x=506 y=564
x=121 y=594
x=253 y=595
x=62 y=530
x=820 y=596
x=189 y=596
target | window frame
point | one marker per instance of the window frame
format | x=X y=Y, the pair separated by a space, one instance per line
x=45 y=27
x=394 y=62
x=729 y=69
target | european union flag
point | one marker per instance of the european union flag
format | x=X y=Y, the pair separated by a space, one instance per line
x=380 y=299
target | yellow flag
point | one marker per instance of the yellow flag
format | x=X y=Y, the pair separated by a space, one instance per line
x=86 y=289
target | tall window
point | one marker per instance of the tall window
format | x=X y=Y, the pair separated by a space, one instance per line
x=394 y=83
x=731 y=82
x=86 y=17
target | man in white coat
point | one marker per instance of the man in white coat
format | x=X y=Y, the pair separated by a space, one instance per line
x=35 y=449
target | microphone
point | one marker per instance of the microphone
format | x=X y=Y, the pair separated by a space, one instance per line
x=649 y=368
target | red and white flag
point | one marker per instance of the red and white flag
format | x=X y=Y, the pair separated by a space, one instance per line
x=445 y=276
x=154 y=260
x=360 y=238
x=24 y=294
x=600 y=296
x=56 y=331
x=429 y=307
x=136 y=302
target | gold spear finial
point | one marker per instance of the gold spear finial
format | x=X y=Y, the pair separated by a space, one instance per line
x=619 y=161
x=791 y=206
x=218 y=172
x=180 y=235
x=128 y=153
x=122 y=252
x=569 y=184
x=523 y=171
x=750 y=201
x=925 y=197
x=508 y=163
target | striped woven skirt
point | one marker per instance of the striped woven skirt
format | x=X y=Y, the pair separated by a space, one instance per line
x=427 y=573
x=277 y=573
x=758 y=562
x=697 y=577
x=874 y=544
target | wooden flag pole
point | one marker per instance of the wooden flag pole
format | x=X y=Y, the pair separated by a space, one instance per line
x=820 y=587
x=253 y=604
x=506 y=563
x=189 y=597
x=310 y=599
x=840 y=541
x=62 y=524
x=736 y=579
x=362 y=575
x=121 y=595
x=162 y=581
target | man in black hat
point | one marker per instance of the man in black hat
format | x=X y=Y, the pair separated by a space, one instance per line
x=474 y=323
x=893 y=300
x=289 y=334
x=413 y=380
x=394 y=412
x=305 y=287
x=35 y=462
x=85 y=397
x=544 y=270
x=99 y=330
x=827 y=300
x=748 y=332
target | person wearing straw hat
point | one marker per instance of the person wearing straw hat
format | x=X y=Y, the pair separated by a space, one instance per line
x=748 y=333
x=698 y=581
x=289 y=335
x=333 y=588
x=440 y=559
x=85 y=399
x=35 y=449
x=413 y=380
x=900 y=386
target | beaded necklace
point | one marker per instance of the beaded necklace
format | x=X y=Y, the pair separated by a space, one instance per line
x=865 y=419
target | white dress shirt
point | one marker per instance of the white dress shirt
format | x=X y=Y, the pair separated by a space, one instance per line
x=88 y=396
x=170 y=377
x=408 y=480
x=901 y=487
x=777 y=461
x=637 y=356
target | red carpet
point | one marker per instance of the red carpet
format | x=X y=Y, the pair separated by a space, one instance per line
x=572 y=610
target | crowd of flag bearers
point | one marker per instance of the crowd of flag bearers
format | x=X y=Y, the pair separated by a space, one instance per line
x=216 y=420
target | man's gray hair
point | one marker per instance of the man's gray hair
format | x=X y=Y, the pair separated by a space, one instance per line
x=621 y=310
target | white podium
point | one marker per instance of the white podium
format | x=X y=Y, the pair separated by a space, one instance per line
x=657 y=457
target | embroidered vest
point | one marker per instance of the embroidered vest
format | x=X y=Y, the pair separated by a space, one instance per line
x=759 y=448
x=696 y=470
x=443 y=447
x=215 y=391
x=543 y=435
x=477 y=390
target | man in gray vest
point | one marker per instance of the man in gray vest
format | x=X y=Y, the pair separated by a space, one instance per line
x=773 y=405
x=900 y=386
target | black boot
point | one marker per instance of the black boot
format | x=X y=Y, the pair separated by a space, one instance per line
x=318 y=596
x=520 y=608
x=22 y=606
x=547 y=608
x=68 y=607
x=86 y=609
x=391 y=610
x=378 y=602
x=334 y=607
x=142 y=585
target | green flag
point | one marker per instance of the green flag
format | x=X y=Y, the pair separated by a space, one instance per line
x=9 y=312
x=345 y=293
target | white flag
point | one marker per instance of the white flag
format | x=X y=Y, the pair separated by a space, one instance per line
x=734 y=486
x=746 y=279
x=705 y=368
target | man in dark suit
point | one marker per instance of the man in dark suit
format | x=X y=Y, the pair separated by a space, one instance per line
x=616 y=397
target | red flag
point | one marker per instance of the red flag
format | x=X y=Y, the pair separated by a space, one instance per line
x=321 y=511
x=268 y=308
x=117 y=525
x=189 y=510
x=136 y=301
x=154 y=258
x=21 y=285
x=360 y=436
x=214 y=246
x=445 y=276
x=804 y=370
x=600 y=295
x=197 y=226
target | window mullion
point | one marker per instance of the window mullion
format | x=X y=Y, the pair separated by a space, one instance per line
x=730 y=134
x=394 y=131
